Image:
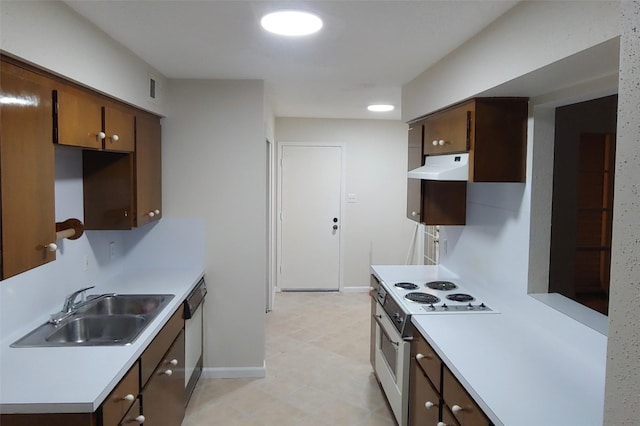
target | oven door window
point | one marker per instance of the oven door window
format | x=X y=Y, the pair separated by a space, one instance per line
x=389 y=350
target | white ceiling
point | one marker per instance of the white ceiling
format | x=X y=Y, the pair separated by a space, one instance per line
x=366 y=51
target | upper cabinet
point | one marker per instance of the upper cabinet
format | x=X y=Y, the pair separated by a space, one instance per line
x=27 y=212
x=123 y=190
x=494 y=133
x=88 y=120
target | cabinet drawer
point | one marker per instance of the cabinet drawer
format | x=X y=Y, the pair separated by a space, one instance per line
x=156 y=350
x=121 y=398
x=424 y=400
x=132 y=417
x=450 y=130
x=427 y=358
x=464 y=409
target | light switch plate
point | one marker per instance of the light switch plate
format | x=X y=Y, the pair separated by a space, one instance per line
x=351 y=198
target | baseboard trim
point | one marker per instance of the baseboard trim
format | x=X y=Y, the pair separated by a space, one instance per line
x=362 y=289
x=234 y=372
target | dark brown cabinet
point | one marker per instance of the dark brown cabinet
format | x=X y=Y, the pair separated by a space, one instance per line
x=27 y=212
x=436 y=397
x=414 y=189
x=494 y=133
x=148 y=169
x=87 y=120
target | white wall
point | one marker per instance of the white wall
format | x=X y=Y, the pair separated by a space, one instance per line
x=214 y=167
x=53 y=36
x=622 y=400
x=375 y=228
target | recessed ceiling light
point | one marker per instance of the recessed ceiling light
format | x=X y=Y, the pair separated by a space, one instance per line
x=380 y=108
x=291 y=23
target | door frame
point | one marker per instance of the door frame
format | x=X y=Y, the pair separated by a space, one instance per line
x=278 y=219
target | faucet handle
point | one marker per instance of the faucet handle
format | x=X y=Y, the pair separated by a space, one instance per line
x=70 y=300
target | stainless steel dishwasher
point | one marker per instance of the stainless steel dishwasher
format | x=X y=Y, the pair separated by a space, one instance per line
x=193 y=333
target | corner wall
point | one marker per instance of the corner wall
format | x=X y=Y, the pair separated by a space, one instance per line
x=214 y=167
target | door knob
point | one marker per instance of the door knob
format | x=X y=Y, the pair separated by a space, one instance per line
x=335 y=227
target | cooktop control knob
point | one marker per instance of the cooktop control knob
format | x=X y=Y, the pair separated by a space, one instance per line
x=431 y=307
x=445 y=307
x=470 y=307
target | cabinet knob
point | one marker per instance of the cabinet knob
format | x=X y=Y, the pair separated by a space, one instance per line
x=100 y=136
x=167 y=372
x=442 y=424
x=115 y=138
x=129 y=397
x=173 y=362
x=456 y=409
x=51 y=247
x=441 y=142
x=434 y=143
x=429 y=405
x=156 y=211
x=140 y=419
x=151 y=214
x=420 y=356
x=414 y=214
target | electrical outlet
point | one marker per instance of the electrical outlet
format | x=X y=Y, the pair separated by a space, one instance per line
x=112 y=250
x=352 y=198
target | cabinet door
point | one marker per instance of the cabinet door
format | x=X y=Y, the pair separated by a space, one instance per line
x=163 y=400
x=119 y=127
x=148 y=169
x=464 y=408
x=444 y=202
x=26 y=170
x=424 y=401
x=415 y=161
x=450 y=130
x=77 y=118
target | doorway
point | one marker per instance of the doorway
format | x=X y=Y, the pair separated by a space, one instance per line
x=582 y=209
x=309 y=217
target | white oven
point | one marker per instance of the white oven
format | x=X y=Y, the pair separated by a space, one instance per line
x=391 y=353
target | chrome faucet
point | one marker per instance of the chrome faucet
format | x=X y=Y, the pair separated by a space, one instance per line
x=69 y=305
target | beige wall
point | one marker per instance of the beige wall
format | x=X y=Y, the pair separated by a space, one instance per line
x=214 y=167
x=622 y=399
x=375 y=228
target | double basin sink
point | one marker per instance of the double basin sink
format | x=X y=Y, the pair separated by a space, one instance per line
x=105 y=320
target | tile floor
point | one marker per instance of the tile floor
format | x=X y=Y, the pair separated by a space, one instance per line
x=318 y=371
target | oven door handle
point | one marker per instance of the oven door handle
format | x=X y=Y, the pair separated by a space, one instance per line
x=377 y=318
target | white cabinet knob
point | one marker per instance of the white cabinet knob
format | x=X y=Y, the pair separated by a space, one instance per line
x=129 y=397
x=442 y=424
x=115 y=138
x=421 y=356
x=100 y=136
x=173 y=362
x=156 y=211
x=456 y=409
x=51 y=247
x=151 y=214
x=428 y=405
x=140 y=419
x=414 y=214
x=441 y=142
x=434 y=143
x=167 y=372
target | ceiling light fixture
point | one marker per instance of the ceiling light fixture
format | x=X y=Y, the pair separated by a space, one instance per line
x=291 y=23
x=380 y=108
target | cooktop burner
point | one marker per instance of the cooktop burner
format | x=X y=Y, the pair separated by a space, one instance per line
x=406 y=286
x=441 y=285
x=422 y=297
x=460 y=297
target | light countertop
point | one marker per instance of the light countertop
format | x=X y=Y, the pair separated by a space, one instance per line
x=529 y=365
x=78 y=379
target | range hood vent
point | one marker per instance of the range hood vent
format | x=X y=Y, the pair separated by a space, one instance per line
x=443 y=167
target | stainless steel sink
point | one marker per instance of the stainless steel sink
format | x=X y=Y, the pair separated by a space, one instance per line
x=105 y=320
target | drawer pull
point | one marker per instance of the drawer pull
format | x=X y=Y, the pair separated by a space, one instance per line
x=421 y=356
x=442 y=424
x=167 y=372
x=100 y=136
x=429 y=405
x=140 y=419
x=129 y=397
x=456 y=409
x=173 y=362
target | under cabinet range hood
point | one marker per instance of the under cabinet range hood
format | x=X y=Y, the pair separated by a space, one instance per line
x=443 y=167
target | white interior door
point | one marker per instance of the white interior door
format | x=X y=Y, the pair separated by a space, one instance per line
x=311 y=183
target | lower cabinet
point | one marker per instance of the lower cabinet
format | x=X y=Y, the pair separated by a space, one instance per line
x=436 y=398
x=163 y=397
x=151 y=393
